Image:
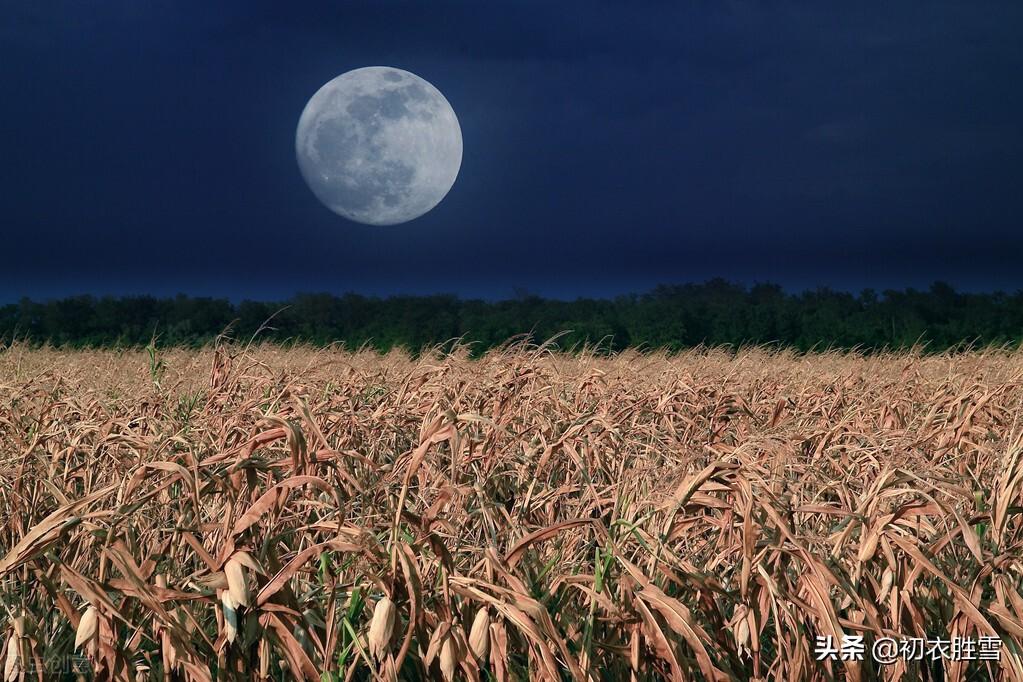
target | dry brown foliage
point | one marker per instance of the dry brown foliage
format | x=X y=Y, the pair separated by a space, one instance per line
x=249 y=513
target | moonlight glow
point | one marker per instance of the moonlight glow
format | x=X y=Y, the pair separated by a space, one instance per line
x=379 y=146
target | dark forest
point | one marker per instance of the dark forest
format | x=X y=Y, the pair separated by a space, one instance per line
x=671 y=317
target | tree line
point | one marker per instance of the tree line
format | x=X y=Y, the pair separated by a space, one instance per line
x=673 y=317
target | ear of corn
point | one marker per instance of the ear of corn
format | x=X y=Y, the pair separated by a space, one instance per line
x=12 y=659
x=230 y=607
x=88 y=627
x=237 y=583
x=381 y=628
x=448 y=659
x=479 y=636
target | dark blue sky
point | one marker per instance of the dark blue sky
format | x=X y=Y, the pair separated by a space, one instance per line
x=148 y=147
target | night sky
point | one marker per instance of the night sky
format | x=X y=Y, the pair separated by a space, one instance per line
x=148 y=147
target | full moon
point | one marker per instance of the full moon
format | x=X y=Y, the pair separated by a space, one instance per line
x=379 y=146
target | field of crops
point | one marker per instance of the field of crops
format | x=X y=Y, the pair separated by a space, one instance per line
x=290 y=513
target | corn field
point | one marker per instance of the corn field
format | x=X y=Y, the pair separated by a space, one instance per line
x=279 y=513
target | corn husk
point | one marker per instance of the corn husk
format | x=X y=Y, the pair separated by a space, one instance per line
x=12 y=661
x=88 y=626
x=381 y=628
x=230 y=615
x=479 y=636
x=741 y=628
x=448 y=658
x=237 y=582
x=886 y=583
